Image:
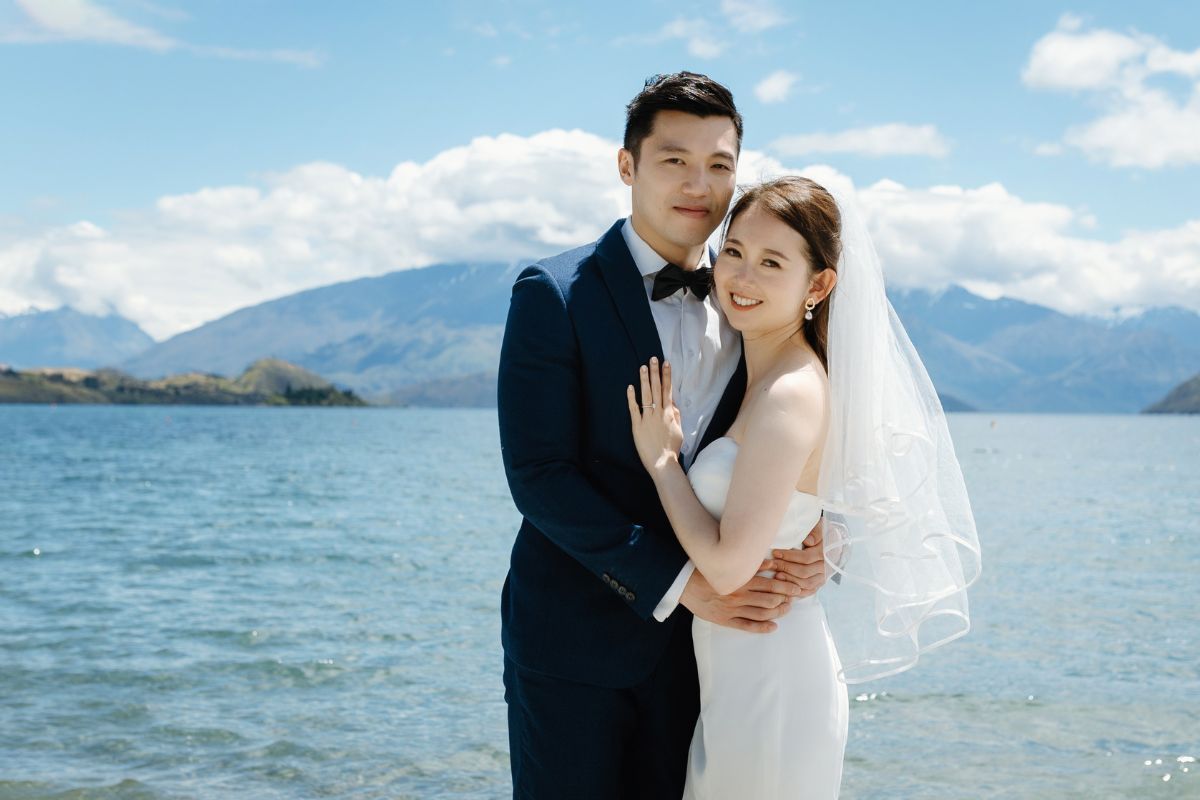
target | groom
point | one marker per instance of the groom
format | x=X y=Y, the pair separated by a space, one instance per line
x=599 y=673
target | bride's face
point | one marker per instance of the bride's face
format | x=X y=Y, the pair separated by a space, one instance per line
x=763 y=274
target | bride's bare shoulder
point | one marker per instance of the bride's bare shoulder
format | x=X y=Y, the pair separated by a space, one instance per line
x=797 y=396
x=801 y=382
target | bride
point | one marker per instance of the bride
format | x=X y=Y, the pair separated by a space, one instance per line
x=839 y=419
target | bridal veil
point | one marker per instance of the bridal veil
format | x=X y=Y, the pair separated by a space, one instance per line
x=900 y=538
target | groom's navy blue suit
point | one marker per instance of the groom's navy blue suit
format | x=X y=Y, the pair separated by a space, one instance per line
x=602 y=698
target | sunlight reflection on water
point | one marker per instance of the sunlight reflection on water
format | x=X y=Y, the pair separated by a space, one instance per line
x=303 y=602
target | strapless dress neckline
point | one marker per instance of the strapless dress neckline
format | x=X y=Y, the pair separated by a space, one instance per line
x=711 y=474
x=736 y=445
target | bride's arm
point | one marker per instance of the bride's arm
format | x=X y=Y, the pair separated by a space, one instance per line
x=781 y=432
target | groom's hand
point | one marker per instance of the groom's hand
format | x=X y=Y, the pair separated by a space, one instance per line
x=804 y=568
x=799 y=572
x=751 y=608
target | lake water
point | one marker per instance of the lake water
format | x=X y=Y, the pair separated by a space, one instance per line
x=299 y=603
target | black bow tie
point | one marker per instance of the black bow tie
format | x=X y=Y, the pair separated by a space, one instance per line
x=672 y=278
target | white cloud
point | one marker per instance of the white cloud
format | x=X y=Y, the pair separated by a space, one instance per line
x=1071 y=59
x=87 y=21
x=1142 y=124
x=196 y=256
x=894 y=139
x=776 y=87
x=706 y=40
x=696 y=33
x=702 y=41
x=300 y=58
x=752 y=16
x=986 y=237
x=81 y=20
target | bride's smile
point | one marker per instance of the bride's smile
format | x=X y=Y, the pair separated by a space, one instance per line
x=763 y=275
x=744 y=302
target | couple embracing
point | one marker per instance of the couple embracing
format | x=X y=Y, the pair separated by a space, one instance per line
x=696 y=441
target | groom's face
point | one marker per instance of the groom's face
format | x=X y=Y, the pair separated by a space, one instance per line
x=682 y=180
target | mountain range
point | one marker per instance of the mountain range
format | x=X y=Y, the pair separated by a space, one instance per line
x=375 y=335
x=65 y=337
x=1008 y=355
x=432 y=336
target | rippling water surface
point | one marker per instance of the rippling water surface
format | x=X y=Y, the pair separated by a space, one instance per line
x=295 y=603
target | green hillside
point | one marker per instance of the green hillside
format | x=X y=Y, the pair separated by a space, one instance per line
x=1183 y=399
x=265 y=382
x=275 y=376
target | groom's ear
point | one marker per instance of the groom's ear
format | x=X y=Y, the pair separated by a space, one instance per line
x=625 y=166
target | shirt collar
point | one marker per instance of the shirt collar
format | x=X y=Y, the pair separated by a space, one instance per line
x=644 y=256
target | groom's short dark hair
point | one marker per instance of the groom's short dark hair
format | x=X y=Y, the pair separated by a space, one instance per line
x=688 y=92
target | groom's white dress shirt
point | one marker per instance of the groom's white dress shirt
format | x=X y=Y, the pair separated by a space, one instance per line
x=703 y=351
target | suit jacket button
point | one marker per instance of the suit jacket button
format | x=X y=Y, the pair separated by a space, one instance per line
x=631 y=597
x=606 y=579
x=621 y=590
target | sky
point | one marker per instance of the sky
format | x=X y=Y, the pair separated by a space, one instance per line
x=175 y=161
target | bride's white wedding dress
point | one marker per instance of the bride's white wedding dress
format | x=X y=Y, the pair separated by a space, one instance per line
x=773 y=713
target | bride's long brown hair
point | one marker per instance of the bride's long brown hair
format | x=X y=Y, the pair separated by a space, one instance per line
x=810 y=210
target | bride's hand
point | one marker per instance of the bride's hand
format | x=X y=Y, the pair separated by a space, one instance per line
x=657 y=428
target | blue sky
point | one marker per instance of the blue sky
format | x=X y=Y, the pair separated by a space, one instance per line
x=1067 y=125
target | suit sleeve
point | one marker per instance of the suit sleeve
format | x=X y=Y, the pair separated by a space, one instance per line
x=540 y=408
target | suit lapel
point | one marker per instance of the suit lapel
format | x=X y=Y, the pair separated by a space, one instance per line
x=731 y=400
x=727 y=409
x=628 y=291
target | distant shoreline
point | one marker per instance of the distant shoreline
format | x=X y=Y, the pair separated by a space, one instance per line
x=272 y=382
x=268 y=382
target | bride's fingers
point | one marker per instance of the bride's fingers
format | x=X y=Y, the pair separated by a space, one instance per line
x=799 y=572
x=655 y=384
x=634 y=412
x=645 y=379
x=767 y=592
x=796 y=556
x=779 y=590
x=783 y=577
x=668 y=395
x=791 y=571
